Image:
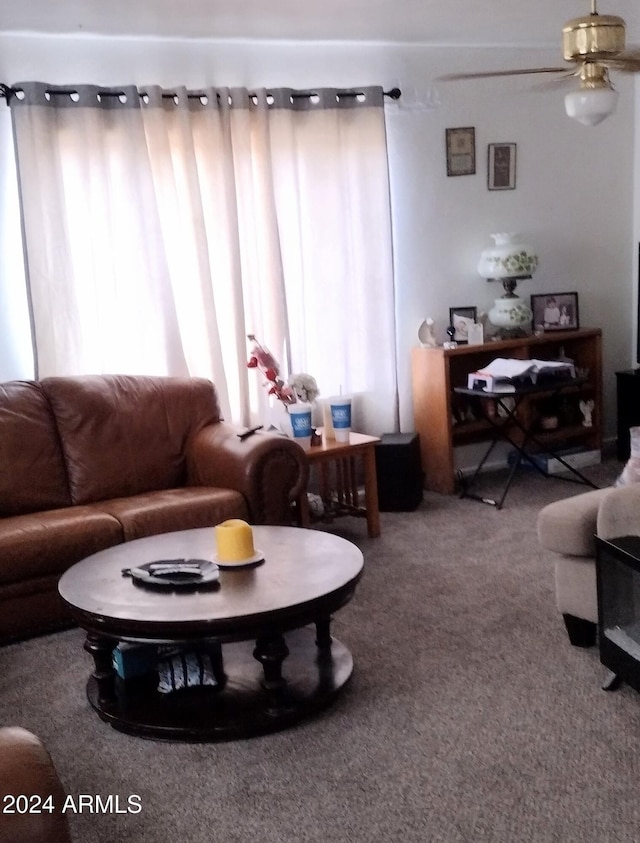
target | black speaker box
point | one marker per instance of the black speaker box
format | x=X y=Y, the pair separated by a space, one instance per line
x=400 y=476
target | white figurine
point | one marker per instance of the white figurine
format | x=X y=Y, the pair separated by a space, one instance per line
x=426 y=334
x=586 y=408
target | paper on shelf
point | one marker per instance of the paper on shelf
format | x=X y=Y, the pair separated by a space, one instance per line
x=510 y=367
x=502 y=373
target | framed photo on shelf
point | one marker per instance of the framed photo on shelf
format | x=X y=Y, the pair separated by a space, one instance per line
x=461 y=151
x=501 y=166
x=461 y=319
x=555 y=312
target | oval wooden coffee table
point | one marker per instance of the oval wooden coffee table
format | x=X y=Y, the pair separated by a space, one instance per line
x=267 y=630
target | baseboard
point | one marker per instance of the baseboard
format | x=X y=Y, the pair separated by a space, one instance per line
x=467 y=457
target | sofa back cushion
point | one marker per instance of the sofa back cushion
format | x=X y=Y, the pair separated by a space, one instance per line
x=124 y=435
x=32 y=473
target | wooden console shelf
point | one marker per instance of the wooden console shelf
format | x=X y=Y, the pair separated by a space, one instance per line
x=440 y=416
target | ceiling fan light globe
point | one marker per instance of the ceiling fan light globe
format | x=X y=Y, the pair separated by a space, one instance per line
x=591 y=106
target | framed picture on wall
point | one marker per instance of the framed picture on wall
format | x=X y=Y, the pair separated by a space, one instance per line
x=501 y=165
x=555 y=312
x=461 y=151
x=461 y=319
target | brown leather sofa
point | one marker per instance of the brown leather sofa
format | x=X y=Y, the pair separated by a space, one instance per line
x=27 y=771
x=88 y=462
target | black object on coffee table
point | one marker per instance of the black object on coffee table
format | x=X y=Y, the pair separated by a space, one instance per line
x=279 y=661
x=174 y=574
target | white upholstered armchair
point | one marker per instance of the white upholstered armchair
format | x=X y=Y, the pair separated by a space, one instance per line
x=568 y=527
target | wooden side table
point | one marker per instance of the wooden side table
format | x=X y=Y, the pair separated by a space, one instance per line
x=337 y=464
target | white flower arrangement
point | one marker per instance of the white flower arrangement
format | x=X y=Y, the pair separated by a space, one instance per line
x=304 y=387
x=300 y=387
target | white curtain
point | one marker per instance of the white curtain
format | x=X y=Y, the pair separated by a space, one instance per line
x=161 y=228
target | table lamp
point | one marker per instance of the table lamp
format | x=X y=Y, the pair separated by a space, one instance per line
x=509 y=260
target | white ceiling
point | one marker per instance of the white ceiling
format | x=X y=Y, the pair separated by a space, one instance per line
x=500 y=22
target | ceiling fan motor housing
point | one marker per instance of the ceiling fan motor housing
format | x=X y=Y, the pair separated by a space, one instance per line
x=594 y=37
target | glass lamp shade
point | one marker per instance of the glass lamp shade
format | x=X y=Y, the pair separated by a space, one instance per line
x=508 y=258
x=512 y=315
x=591 y=106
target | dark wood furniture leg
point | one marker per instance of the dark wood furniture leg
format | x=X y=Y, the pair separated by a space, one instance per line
x=217 y=664
x=371 y=492
x=582 y=633
x=323 y=634
x=101 y=649
x=271 y=651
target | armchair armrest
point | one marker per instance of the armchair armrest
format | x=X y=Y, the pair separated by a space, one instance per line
x=26 y=768
x=619 y=512
x=568 y=526
x=270 y=470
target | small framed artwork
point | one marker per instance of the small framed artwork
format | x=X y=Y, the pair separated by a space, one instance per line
x=501 y=166
x=461 y=319
x=555 y=312
x=461 y=151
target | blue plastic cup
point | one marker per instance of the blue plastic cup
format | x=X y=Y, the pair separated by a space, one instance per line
x=341 y=417
x=300 y=415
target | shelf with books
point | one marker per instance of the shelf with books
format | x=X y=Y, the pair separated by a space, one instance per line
x=443 y=419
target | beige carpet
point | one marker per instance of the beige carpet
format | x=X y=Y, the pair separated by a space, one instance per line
x=469 y=716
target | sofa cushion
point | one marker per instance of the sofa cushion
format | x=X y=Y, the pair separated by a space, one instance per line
x=568 y=526
x=32 y=607
x=44 y=543
x=32 y=473
x=175 y=509
x=124 y=435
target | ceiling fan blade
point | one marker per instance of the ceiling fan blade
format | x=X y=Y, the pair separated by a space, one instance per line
x=452 y=77
x=567 y=80
x=627 y=62
x=633 y=54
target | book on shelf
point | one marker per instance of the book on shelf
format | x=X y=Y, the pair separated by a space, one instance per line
x=504 y=374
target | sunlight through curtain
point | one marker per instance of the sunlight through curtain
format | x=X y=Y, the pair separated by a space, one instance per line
x=161 y=227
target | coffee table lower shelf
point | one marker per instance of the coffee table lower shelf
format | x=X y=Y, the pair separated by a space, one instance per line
x=242 y=708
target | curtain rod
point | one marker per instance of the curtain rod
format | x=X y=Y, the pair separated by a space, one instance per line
x=7 y=92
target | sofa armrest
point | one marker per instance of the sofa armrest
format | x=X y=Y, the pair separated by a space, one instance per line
x=270 y=470
x=26 y=769
x=619 y=512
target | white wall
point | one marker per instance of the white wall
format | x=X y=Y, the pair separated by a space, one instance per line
x=573 y=200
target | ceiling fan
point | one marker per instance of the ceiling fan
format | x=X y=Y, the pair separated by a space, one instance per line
x=594 y=44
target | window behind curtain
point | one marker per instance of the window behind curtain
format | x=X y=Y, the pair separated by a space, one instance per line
x=162 y=227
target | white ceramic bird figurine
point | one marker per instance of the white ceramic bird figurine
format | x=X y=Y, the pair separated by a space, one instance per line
x=586 y=408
